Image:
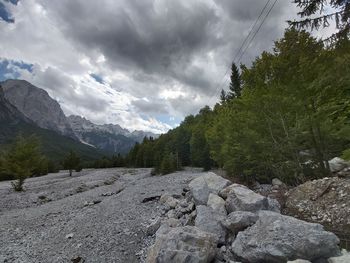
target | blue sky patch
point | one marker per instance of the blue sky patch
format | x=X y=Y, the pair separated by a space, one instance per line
x=97 y=78
x=9 y=69
x=5 y=15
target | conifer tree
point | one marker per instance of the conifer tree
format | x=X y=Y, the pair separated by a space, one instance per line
x=71 y=162
x=22 y=160
x=340 y=14
x=235 y=84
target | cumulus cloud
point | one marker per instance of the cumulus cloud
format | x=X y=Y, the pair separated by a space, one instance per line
x=134 y=62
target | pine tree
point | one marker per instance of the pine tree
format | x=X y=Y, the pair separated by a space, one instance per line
x=71 y=162
x=341 y=15
x=223 y=96
x=235 y=84
x=22 y=160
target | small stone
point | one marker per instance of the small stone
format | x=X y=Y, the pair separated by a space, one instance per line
x=70 y=236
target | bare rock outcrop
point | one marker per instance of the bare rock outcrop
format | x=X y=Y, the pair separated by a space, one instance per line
x=278 y=238
x=183 y=245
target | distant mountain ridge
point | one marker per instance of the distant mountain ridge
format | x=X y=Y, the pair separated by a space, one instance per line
x=37 y=105
x=109 y=137
x=32 y=104
x=54 y=145
x=82 y=125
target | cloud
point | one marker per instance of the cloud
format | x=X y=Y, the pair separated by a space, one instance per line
x=141 y=64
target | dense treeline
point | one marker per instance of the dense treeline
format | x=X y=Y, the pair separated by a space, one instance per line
x=285 y=116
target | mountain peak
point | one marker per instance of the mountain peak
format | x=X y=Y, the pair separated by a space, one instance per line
x=37 y=105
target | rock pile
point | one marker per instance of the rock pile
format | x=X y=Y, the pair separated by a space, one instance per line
x=325 y=201
x=217 y=221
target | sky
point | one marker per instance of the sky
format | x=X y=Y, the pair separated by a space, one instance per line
x=144 y=65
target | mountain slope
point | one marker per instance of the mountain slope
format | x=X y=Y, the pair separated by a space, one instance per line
x=37 y=105
x=54 y=145
x=108 y=137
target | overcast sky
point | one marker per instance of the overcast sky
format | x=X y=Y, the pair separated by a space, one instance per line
x=144 y=64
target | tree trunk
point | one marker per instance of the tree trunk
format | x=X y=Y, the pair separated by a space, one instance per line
x=70 y=172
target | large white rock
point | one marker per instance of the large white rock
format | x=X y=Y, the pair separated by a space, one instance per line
x=210 y=221
x=217 y=204
x=202 y=186
x=344 y=258
x=183 y=245
x=337 y=164
x=240 y=198
x=278 y=238
x=239 y=220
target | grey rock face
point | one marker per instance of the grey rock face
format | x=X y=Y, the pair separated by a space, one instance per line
x=8 y=112
x=37 y=105
x=273 y=205
x=244 y=199
x=210 y=221
x=278 y=238
x=217 y=204
x=239 y=220
x=183 y=245
x=202 y=186
x=225 y=192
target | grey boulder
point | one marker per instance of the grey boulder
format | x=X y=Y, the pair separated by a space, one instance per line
x=278 y=238
x=202 y=186
x=239 y=220
x=240 y=198
x=183 y=245
x=210 y=221
x=217 y=204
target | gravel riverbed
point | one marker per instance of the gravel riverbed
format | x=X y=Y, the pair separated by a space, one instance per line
x=94 y=216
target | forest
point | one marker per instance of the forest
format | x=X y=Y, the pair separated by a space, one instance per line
x=284 y=116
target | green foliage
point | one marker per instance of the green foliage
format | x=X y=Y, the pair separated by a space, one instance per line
x=295 y=101
x=292 y=115
x=109 y=162
x=168 y=164
x=339 y=12
x=22 y=160
x=346 y=155
x=72 y=162
x=235 y=84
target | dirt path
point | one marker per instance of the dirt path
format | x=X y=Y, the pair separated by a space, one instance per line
x=97 y=215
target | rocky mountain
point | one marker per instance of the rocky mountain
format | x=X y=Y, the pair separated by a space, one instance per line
x=9 y=113
x=37 y=105
x=32 y=104
x=109 y=137
x=53 y=145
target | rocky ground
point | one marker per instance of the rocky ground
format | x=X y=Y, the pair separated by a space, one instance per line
x=94 y=216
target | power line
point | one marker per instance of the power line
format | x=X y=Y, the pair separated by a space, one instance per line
x=251 y=30
x=223 y=81
x=256 y=32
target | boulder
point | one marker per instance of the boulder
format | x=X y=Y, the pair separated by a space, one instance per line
x=202 y=186
x=217 y=204
x=183 y=245
x=299 y=261
x=239 y=220
x=277 y=182
x=273 y=205
x=278 y=238
x=240 y=198
x=152 y=228
x=344 y=258
x=337 y=164
x=168 y=200
x=210 y=221
x=224 y=192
